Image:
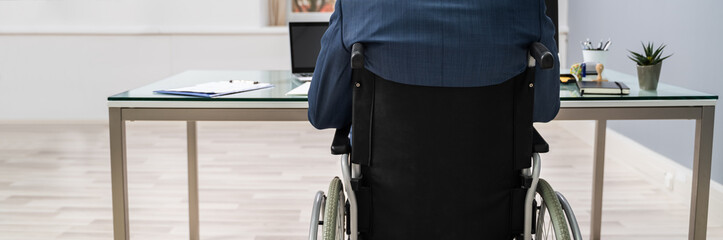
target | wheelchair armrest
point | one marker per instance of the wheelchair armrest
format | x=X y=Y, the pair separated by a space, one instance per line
x=340 y=144
x=539 y=145
x=542 y=55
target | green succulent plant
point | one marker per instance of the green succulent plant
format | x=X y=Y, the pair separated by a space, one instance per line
x=651 y=57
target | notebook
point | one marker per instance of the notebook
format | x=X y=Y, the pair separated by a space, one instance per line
x=602 y=87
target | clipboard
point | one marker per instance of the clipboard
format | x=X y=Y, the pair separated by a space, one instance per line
x=215 y=89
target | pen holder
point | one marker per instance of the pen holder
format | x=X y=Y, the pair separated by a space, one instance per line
x=599 y=56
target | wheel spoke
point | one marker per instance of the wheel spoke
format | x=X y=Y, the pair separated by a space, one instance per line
x=549 y=230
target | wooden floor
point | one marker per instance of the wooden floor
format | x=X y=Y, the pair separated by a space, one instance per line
x=257 y=181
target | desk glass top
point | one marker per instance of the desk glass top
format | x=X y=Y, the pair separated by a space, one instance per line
x=570 y=92
x=283 y=82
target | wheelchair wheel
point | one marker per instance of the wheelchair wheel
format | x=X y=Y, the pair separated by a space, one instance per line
x=333 y=228
x=551 y=222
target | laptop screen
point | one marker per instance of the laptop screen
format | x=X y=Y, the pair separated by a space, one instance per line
x=305 y=44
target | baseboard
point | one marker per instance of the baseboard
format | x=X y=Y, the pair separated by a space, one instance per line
x=656 y=168
x=53 y=121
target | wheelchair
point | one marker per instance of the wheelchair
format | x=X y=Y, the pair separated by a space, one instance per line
x=441 y=163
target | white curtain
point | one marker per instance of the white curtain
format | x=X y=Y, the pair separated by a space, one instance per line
x=277 y=12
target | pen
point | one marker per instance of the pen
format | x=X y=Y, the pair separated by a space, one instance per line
x=243 y=81
x=607 y=44
x=588 y=44
x=601 y=46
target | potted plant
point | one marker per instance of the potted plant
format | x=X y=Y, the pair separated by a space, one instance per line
x=649 y=65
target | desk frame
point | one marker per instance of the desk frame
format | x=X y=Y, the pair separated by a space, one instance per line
x=703 y=151
x=702 y=111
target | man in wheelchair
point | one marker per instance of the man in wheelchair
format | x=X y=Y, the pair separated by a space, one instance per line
x=440 y=98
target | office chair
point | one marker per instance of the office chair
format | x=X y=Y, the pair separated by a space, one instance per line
x=441 y=163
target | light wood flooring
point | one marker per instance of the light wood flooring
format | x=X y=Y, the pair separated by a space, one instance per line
x=257 y=181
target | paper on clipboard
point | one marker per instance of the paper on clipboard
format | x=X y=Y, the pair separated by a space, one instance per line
x=215 y=89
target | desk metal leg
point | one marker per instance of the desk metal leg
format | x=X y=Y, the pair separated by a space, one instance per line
x=598 y=172
x=701 y=174
x=192 y=146
x=118 y=174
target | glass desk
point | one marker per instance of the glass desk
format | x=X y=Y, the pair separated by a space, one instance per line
x=667 y=102
x=141 y=104
x=269 y=98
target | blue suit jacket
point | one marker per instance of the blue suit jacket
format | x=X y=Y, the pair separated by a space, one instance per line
x=464 y=43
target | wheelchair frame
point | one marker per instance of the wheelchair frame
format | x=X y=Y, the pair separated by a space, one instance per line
x=350 y=170
x=558 y=205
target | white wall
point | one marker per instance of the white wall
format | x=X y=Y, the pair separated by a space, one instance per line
x=60 y=59
x=63 y=14
x=49 y=77
x=563 y=31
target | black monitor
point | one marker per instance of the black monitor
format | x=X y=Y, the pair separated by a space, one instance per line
x=305 y=38
x=552 y=12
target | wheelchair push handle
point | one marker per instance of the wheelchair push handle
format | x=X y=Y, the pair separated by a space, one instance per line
x=542 y=55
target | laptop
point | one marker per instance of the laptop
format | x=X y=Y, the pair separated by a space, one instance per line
x=305 y=38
